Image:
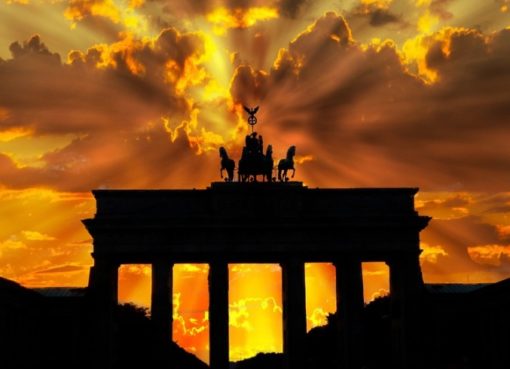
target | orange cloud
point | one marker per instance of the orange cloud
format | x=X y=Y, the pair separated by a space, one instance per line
x=489 y=254
x=119 y=11
x=379 y=293
x=132 y=84
x=504 y=231
x=60 y=238
x=504 y=5
x=384 y=4
x=13 y=244
x=445 y=205
x=190 y=308
x=318 y=317
x=430 y=253
x=153 y=108
x=373 y=106
x=224 y=18
x=377 y=11
x=37 y=236
x=13 y=133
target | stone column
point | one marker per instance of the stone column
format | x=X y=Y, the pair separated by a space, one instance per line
x=103 y=290
x=406 y=291
x=103 y=282
x=161 y=299
x=294 y=313
x=218 y=315
x=349 y=302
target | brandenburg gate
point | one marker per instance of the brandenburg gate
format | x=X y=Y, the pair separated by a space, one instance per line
x=283 y=222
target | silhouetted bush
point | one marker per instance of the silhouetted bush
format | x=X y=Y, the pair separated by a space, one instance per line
x=138 y=346
x=260 y=361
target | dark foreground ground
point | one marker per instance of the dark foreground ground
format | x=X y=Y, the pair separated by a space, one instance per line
x=463 y=327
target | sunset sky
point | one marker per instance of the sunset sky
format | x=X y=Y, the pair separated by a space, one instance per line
x=142 y=93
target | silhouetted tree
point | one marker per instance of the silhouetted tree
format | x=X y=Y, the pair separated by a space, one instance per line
x=138 y=346
x=261 y=361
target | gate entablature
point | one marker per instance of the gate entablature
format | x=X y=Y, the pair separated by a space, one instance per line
x=254 y=222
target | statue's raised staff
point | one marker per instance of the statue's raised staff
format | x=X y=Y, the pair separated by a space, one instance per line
x=252 y=119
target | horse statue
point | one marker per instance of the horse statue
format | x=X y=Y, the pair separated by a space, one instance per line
x=226 y=164
x=285 y=164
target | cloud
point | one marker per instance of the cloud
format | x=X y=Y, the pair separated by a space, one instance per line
x=12 y=244
x=504 y=231
x=318 y=317
x=468 y=247
x=223 y=18
x=56 y=217
x=446 y=206
x=122 y=12
x=131 y=104
x=126 y=103
x=439 y=8
x=377 y=11
x=431 y=254
x=37 y=236
x=103 y=87
x=504 y=5
x=193 y=8
x=62 y=269
x=32 y=47
x=372 y=121
x=248 y=320
x=380 y=293
x=492 y=255
x=239 y=311
x=127 y=271
x=193 y=268
x=293 y=8
x=189 y=325
x=381 y=17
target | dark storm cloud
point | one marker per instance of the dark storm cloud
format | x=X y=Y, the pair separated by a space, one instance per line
x=370 y=122
x=357 y=111
x=286 y=8
x=292 y=8
x=440 y=8
x=377 y=14
x=112 y=101
x=32 y=47
x=381 y=17
x=50 y=97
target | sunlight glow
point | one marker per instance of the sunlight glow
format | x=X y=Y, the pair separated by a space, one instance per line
x=223 y=18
